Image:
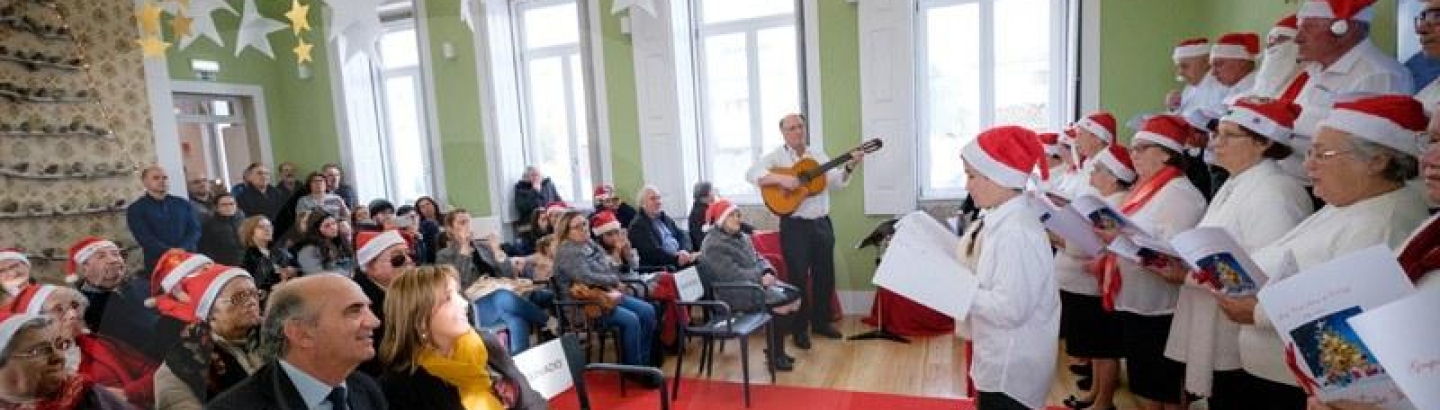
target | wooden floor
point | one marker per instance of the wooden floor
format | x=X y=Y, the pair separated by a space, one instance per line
x=929 y=367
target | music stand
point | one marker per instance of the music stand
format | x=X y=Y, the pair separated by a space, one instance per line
x=879 y=238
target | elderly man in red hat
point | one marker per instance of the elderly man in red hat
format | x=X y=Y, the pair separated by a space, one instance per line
x=1282 y=61
x=117 y=305
x=1334 y=42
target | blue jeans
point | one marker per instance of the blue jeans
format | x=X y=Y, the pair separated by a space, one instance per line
x=518 y=315
x=636 y=320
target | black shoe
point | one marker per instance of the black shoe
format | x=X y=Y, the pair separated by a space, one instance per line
x=782 y=353
x=1075 y=403
x=802 y=340
x=783 y=363
x=827 y=331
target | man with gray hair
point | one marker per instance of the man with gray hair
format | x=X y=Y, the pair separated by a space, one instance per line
x=655 y=236
x=317 y=330
x=533 y=191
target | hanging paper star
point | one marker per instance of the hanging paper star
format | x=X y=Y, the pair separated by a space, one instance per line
x=180 y=25
x=253 y=29
x=302 y=52
x=647 y=5
x=204 y=25
x=151 y=46
x=298 y=16
x=149 y=16
x=356 y=25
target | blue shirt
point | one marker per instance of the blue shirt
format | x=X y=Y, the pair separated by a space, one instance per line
x=1423 y=69
x=312 y=390
x=668 y=239
x=159 y=225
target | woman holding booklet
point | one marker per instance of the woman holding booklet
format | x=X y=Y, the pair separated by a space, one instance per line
x=1255 y=206
x=1016 y=310
x=1162 y=203
x=1359 y=161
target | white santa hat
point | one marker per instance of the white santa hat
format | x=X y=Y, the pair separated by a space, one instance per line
x=369 y=245
x=82 y=251
x=1396 y=121
x=1167 y=130
x=1006 y=155
x=1273 y=119
x=1189 y=48
x=1237 y=46
x=1116 y=159
x=1051 y=142
x=1357 y=10
x=1102 y=124
x=716 y=213
x=31 y=299
x=14 y=254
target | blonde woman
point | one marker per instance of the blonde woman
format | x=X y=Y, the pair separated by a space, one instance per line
x=434 y=359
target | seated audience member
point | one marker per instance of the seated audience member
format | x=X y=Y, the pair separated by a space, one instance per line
x=323 y=248
x=534 y=191
x=380 y=257
x=581 y=266
x=429 y=221
x=288 y=184
x=613 y=239
x=257 y=196
x=220 y=234
x=407 y=222
x=173 y=267
x=267 y=263
x=33 y=374
x=657 y=238
x=434 y=359
x=14 y=271
x=542 y=263
x=335 y=184
x=105 y=361
x=160 y=221
x=606 y=200
x=316 y=330
x=221 y=348
x=116 y=302
x=313 y=196
x=475 y=259
x=703 y=196
x=382 y=217
x=730 y=257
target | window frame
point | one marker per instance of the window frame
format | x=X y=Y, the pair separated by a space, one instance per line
x=523 y=57
x=380 y=76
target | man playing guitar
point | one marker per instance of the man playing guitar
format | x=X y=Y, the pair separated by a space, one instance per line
x=806 y=235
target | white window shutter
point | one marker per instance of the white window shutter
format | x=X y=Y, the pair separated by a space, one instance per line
x=887 y=104
x=665 y=128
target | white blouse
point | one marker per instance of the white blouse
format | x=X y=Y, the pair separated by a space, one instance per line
x=1176 y=208
x=1072 y=267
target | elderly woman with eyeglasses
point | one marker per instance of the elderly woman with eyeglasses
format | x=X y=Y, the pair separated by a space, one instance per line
x=220 y=347
x=1360 y=161
x=33 y=372
x=108 y=362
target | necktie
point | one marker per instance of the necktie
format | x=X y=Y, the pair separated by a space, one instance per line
x=338 y=399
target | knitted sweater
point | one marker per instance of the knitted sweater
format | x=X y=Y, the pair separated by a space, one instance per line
x=583 y=263
x=727 y=257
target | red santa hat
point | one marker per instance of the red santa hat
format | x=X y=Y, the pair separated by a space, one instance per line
x=1102 y=124
x=1006 y=154
x=1288 y=26
x=1116 y=159
x=31 y=299
x=604 y=222
x=369 y=245
x=1237 y=46
x=1274 y=119
x=1190 y=47
x=1167 y=130
x=204 y=288
x=716 y=213
x=82 y=251
x=174 y=266
x=11 y=323
x=604 y=192
x=556 y=206
x=1394 y=120
x=1342 y=10
x=1051 y=142
x=14 y=254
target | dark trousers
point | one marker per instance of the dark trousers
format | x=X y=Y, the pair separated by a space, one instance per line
x=997 y=401
x=1259 y=393
x=809 y=249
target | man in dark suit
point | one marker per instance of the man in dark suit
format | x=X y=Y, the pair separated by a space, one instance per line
x=655 y=236
x=318 y=329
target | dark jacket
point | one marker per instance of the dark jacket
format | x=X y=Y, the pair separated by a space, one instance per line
x=645 y=238
x=373 y=291
x=255 y=201
x=625 y=214
x=220 y=240
x=266 y=269
x=527 y=197
x=347 y=193
x=271 y=389
x=729 y=258
x=159 y=225
x=121 y=314
x=422 y=390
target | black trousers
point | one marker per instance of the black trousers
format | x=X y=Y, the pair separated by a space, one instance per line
x=997 y=401
x=1260 y=393
x=808 y=246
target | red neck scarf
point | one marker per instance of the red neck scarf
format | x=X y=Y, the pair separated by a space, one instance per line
x=1422 y=253
x=1293 y=90
x=72 y=392
x=1107 y=268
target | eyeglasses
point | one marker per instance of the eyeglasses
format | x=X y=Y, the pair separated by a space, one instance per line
x=1325 y=155
x=245 y=296
x=61 y=309
x=1427 y=16
x=399 y=260
x=45 y=349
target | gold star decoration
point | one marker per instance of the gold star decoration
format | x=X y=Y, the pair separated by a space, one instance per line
x=180 y=25
x=302 y=52
x=298 y=15
x=152 y=46
x=149 y=16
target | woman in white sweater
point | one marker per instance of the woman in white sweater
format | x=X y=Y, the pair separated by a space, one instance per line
x=1257 y=205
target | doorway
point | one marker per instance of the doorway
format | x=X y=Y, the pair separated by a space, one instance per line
x=218 y=137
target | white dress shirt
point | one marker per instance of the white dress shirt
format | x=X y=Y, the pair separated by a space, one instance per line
x=816 y=206
x=313 y=391
x=1364 y=69
x=1176 y=208
x=1072 y=269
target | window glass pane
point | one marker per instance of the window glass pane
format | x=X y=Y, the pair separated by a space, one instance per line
x=727 y=111
x=368 y=174
x=549 y=122
x=951 y=86
x=582 y=131
x=779 y=79
x=402 y=101
x=551 y=25
x=1022 y=65
x=716 y=11
x=399 y=49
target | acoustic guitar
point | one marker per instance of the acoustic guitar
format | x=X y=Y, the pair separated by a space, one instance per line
x=812 y=180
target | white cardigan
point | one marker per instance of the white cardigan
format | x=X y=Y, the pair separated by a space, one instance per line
x=1176 y=208
x=1015 y=317
x=1256 y=206
x=1329 y=233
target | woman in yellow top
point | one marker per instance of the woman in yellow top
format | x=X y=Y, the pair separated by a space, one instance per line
x=434 y=359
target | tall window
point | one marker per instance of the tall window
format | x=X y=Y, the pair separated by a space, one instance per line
x=553 y=100
x=385 y=100
x=748 y=56
x=984 y=63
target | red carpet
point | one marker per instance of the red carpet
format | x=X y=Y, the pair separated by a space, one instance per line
x=707 y=395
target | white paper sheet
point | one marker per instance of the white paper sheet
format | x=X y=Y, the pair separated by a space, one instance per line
x=920 y=264
x=1068 y=224
x=1405 y=337
x=1310 y=312
x=1219 y=261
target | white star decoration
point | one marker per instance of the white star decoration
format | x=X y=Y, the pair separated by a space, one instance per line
x=356 y=23
x=647 y=5
x=468 y=10
x=253 y=29
x=204 y=24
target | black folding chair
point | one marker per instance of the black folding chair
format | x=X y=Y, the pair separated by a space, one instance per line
x=721 y=324
x=554 y=367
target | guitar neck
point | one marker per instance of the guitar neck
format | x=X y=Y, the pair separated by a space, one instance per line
x=826 y=167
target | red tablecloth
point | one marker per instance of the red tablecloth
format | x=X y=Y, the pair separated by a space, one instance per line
x=906 y=318
x=767 y=244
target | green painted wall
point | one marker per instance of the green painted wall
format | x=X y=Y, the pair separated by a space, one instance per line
x=457 y=99
x=1136 y=37
x=301 y=112
x=1257 y=16
x=620 y=100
